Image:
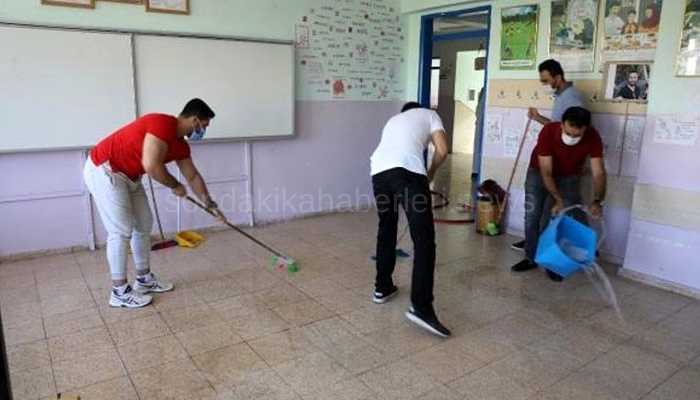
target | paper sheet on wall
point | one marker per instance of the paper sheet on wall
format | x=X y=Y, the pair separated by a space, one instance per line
x=534 y=131
x=494 y=126
x=633 y=135
x=511 y=143
x=674 y=129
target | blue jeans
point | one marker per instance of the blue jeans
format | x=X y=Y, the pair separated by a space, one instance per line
x=538 y=205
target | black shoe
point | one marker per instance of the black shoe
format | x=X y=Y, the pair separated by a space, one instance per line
x=381 y=297
x=524 y=265
x=428 y=321
x=518 y=246
x=554 y=276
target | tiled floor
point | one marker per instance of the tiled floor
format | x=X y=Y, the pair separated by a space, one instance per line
x=233 y=329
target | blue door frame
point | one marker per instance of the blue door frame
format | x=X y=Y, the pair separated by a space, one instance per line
x=427 y=38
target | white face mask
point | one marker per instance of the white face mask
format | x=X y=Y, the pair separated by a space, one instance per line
x=547 y=90
x=570 y=141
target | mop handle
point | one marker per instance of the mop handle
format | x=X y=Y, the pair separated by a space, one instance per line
x=515 y=165
x=155 y=207
x=237 y=229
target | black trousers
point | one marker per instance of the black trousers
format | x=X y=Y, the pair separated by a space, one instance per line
x=396 y=188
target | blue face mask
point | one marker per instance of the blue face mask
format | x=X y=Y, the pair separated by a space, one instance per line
x=198 y=134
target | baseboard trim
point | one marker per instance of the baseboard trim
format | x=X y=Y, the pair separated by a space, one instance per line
x=659 y=283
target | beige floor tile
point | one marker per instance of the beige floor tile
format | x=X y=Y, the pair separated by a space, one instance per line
x=262 y=384
x=112 y=315
x=16 y=296
x=178 y=380
x=208 y=338
x=76 y=321
x=118 y=388
x=303 y=313
x=344 y=301
x=98 y=366
x=151 y=353
x=402 y=339
x=516 y=330
x=323 y=369
x=350 y=389
x=281 y=347
x=73 y=301
x=136 y=330
x=679 y=344
x=579 y=340
x=80 y=344
x=357 y=355
x=28 y=356
x=32 y=383
x=50 y=290
x=20 y=314
x=486 y=384
x=258 y=325
x=176 y=299
x=439 y=393
x=281 y=295
x=238 y=306
x=229 y=365
x=255 y=280
x=685 y=384
x=217 y=289
x=184 y=319
x=399 y=380
x=373 y=317
x=25 y=332
x=446 y=362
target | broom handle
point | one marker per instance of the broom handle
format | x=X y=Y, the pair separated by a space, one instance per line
x=515 y=167
x=155 y=207
x=237 y=229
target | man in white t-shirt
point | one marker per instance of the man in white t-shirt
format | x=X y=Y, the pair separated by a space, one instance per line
x=400 y=178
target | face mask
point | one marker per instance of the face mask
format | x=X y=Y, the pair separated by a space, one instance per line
x=198 y=134
x=570 y=141
x=548 y=91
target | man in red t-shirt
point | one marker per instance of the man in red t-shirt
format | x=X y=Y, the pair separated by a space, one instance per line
x=113 y=174
x=555 y=169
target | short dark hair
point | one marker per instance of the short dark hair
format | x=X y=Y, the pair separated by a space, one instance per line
x=197 y=108
x=578 y=117
x=552 y=66
x=632 y=12
x=410 y=106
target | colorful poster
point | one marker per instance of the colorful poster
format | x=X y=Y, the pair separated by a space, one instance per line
x=688 y=63
x=631 y=30
x=573 y=31
x=519 y=37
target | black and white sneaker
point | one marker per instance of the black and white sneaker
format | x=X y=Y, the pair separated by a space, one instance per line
x=381 y=297
x=518 y=246
x=151 y=283
x=428 y=321
x=128 y=298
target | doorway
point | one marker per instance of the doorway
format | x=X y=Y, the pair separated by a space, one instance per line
x=453 y=76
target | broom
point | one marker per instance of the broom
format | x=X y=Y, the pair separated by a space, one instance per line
x=278 y=259
x=504 y=203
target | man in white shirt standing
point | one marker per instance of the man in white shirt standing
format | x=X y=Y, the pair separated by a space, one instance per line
x=613 y=22
x=399 y=178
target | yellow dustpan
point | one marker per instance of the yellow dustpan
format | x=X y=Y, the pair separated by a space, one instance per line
x=189 y=239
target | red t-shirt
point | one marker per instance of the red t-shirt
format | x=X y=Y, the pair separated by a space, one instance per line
x=566 y=160
x=123 y=149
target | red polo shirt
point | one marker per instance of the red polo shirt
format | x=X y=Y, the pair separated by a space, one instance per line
x=123 y=149
x=566 y=160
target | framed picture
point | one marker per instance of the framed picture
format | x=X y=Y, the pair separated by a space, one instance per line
x=168 y=6
x=628 y=81
x=573 y=31
x=519 y=37
x=688 y=61
x=630 y=29
x=126 y=1
x=70 y=3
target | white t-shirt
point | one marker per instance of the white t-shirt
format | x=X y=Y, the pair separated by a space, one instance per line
x=404 y=140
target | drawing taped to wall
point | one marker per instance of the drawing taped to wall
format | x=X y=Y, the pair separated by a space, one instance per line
x=572 y=34
x=630 y=29
x=519 y=37
x=676 y=130
x=358 y=45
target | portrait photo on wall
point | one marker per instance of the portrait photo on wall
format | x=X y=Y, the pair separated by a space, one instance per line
x=628 y=81
x=630 y=29
x=573 y=32
x=688 y=62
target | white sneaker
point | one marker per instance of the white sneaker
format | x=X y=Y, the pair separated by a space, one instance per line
x=129 y=299
x=154 y=285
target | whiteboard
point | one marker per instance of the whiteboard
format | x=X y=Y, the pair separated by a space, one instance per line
x=63 y=88
x=249 y=85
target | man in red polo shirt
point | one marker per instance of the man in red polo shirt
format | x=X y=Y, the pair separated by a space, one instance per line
x=113 y=174
x=555 y=170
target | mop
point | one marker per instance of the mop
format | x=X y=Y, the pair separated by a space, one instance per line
x=278 y=259
x=164 y=243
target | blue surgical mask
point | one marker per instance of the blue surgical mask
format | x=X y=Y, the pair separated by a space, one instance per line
x=198 y=134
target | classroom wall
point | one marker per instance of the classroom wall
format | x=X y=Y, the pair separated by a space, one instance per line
x=325 y=167
x=468 y=78
x=653 y=211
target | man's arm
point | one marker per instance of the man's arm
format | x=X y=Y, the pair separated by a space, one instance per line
x=199 y=187
x=600 y=179
x=533 y=114
x=439 y=141
x=546 y=170
x=153 y=161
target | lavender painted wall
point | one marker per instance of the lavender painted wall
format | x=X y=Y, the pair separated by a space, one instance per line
x=43 y=203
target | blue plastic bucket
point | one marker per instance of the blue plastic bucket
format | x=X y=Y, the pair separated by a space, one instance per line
x=564 y=230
